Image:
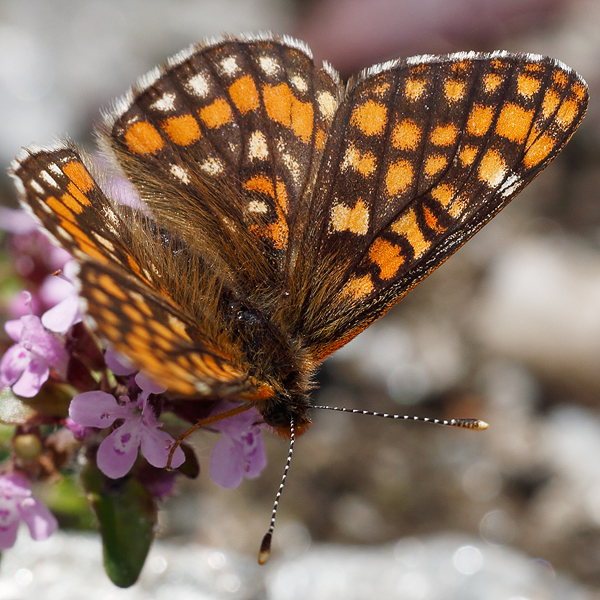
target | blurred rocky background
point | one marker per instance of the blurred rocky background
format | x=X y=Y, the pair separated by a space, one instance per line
x=508 y=331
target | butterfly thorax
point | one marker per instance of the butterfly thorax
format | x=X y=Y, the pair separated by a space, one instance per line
x=281 y=365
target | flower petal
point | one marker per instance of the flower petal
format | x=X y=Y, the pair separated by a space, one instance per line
x=35 y=375
x=41 y=522
x=14 y=329
x=147 y=385
x=118 y=451
x=13 y=363
x=156 y=446
x=118 y=363
x=96 y=409
x=64 y=315
x=254 y=453
x=226 y=463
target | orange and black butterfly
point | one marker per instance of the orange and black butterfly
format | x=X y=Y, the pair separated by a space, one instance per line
x=284 y=211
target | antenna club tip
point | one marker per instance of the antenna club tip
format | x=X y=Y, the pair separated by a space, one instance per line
x=481 y=425
x=265 y=549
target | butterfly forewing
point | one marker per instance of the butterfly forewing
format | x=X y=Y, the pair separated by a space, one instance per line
x=246 y=121
x=420 y=156
x=127 y=295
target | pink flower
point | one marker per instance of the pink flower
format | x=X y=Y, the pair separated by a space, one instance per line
x=240 y=452
x=118 y=451
x=60 y=292
x=18 y=504
x=26 y=365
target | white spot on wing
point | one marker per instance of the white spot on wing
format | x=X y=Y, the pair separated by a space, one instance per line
x=299 y=83
x=180 y=173
x=269 y=65
x=165 y=103
x=327 y=104
x=257 y=206
x=212 y=166
x=198 y=85
x=36 y=186
x=48 y=178
x=229 y=65
x=257 y=146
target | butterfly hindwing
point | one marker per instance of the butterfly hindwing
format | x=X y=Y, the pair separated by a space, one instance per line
x=156 y=335
x=422 y=153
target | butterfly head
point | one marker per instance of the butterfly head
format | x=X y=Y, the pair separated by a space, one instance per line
x=279 y=411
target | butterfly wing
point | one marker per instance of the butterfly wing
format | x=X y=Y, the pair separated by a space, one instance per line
x=422 y=153
x=232 y=134
x=126 y=285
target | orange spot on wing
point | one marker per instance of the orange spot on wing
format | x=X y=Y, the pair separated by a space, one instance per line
x=143 y=138
x=283 y=107
x=260 y=183
x=244 y=94
x=406 y=135
x=358 y=287
x=514 y=123
x=527 y=86
x=364 y=163
x=399 y=177
x=370 y=117
x=109 y=285
x=320 y=139
x=491 y=82
x=560 y=78
x=579 y=91
x=79 y=175
x=432 y=221
x=414 y=88
x=216 y=114
x=444 y=135
x=387 y=256
x=282 y=196
x=480 y=119
x=407 y=226
x=467 y=155
x=566 y=113
x=355 y=220
x=60 y=209
x=434 y=164
x=454 y=90
x=550 y=103
x=183 y=130
x=443 y=193
x=85 y=243
x=81 y=199
x=538 y=150
x=134 y=265
x=492 y=168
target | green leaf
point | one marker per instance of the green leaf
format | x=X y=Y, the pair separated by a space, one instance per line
x=127 y=516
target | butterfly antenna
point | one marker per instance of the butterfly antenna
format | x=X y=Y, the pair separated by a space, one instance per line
x=465 y=423
x=265 y=546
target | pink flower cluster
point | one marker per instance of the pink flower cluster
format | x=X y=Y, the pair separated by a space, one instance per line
x=126 y=424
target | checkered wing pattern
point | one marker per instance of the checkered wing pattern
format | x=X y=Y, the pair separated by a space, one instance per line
x=421 y=154
x=235 y=132
x=128 y=289
x=286 y=214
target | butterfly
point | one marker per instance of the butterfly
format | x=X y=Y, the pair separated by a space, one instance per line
x=282 y=212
